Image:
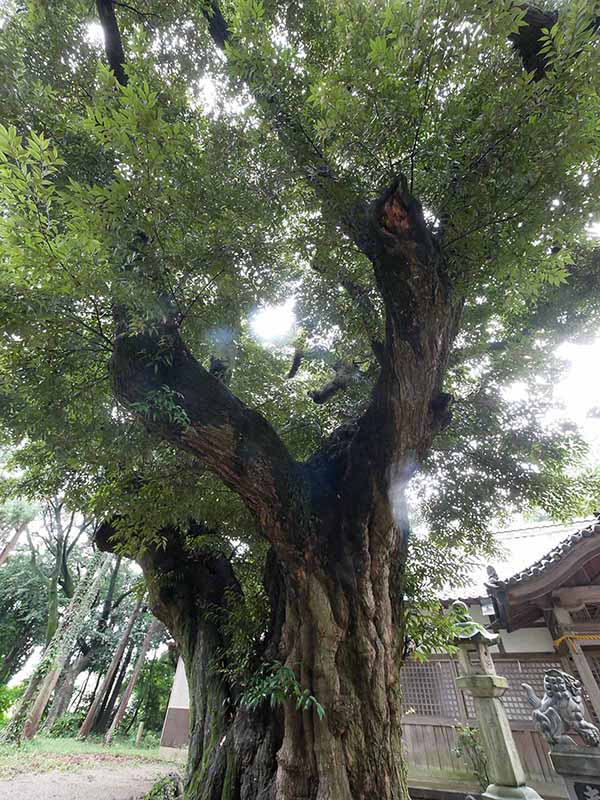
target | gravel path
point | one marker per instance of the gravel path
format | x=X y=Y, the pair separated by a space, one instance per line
x=103 y=782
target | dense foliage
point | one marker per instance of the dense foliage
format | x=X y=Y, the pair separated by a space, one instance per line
x=418 y=182
x=24 y=612
x=86 y=171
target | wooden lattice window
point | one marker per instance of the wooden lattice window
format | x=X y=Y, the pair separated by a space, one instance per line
x=589 y=613
x=594 y=662
x=428 y=689
x=519 y=671
x=593 y=659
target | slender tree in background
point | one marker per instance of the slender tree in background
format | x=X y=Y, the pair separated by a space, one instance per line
x=118 y=718
x=59 y=648
x=421 y=181
x=27 y=716
x=107 y=682
x=65 y=688
x=14 y=520
x=12 y=542
x=23 y=610
x=86 y=651
x=105 y=712
x=60 y=533
x=151 y=694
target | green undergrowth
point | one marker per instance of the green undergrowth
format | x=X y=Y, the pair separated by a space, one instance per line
x=168 y=788
x=67 y=754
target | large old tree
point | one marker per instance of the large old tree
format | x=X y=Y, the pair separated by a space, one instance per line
x=419 y=177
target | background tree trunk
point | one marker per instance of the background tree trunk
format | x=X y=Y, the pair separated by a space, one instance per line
x=105 y=713
x=28 y=714
x=64 y=690
x=94 y=709
x=16 y=655
x=132 y=682
x=12 y=543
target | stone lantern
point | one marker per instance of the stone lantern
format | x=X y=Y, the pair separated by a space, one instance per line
x=478 y=678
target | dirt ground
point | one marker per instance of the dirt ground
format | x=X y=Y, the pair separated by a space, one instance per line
x=102 y=780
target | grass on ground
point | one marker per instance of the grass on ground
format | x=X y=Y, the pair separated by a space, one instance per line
x=45 y=753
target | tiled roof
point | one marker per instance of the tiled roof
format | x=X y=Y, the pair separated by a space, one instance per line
x=552 y=557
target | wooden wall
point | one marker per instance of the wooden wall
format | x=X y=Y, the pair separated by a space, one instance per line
x=430 y=743
x=434 y=707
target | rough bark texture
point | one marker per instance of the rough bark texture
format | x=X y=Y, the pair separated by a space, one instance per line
x=336 y=622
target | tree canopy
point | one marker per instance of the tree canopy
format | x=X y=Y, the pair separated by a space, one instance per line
x=186 y=160
x=418 y=180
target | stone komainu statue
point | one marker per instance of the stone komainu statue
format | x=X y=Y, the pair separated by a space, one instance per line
x=561 y=710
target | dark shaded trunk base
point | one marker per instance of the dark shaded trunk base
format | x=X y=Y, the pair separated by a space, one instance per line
x=337 y=625
x=341 y=648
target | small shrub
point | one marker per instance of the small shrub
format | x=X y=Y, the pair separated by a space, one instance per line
x=168 y=788
x=150 y=740
x=470 y=749
x=67 y=725
x=8 y=697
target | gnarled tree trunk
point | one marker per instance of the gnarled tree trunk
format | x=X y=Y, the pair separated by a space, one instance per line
x=336 y=524
x=336 y=622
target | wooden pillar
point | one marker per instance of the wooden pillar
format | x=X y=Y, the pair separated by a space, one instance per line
x=564 y=625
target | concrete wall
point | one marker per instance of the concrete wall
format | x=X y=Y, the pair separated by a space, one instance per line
x=526 y=640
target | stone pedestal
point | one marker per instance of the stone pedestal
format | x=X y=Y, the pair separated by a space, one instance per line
x=580 y=768
x=479 y=679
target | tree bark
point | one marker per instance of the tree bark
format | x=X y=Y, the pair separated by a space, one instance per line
x=336 y=623
x=49 y=669
x=109 y=703
x=95 y=691
x=12 y=543
x=81 y=693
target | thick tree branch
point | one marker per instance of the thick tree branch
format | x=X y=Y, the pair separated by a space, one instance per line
x=178 y=579
x=345 y=374
x=527 y=41
x=113 y=44
x=421 y=317
x=157 y=377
